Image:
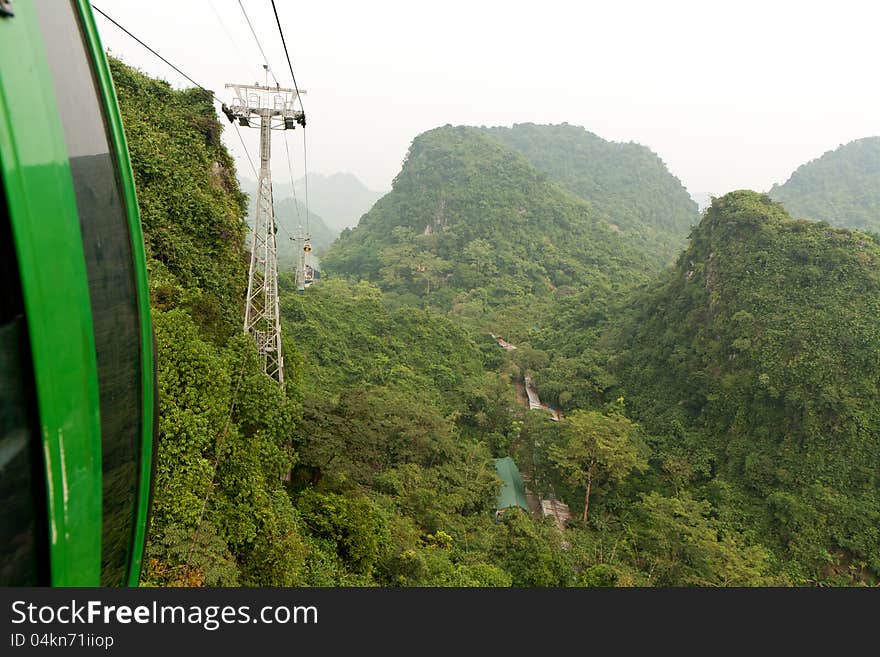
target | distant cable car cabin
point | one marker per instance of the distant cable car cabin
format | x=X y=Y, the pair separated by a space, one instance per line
x=310 y=275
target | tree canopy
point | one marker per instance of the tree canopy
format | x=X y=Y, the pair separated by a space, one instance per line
x=841 y=187
x=715 y=422
x=626 y=184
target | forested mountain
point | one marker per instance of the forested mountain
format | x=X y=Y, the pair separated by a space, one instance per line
x=402 y=412
x=470 y=225
x=754 y=365
x=394 y=477
x=290 y=215
x=702 y=199
x=720 y=418
x=389 y=416
x=220 y=513
x=628 y=185
x=340 y=199
x=841 y=187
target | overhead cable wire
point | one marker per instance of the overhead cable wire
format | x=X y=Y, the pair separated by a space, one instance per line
x=206 y=90
x=155 y=53
x=257 y=39
x=287 y=54
x=229 y=36
x=240 y=138
x=292 y=186
x=246 y=152
x=302 y=107
x=275 y=221
x=306 y=172
x=238 y=132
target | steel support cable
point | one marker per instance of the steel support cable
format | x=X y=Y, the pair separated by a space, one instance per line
x=306 y=176
x=302 y=107
x=292 y=186
x=257 y=39
x=156 y=54
x=287 y=55
x=269 y=69
x=229 y=36
x=240 y=138
x=247 y=154
x=275 y=219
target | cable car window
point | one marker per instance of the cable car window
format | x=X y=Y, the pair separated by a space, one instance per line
x=23 y=558
x=107 y=243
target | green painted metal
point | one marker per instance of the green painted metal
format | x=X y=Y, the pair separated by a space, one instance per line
x=513 y=490
x=120 y=149
x=42 y=208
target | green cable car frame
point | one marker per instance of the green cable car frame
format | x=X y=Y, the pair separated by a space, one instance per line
x=79 y=362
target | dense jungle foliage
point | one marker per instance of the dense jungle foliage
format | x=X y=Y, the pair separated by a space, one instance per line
x=292 y=219
x=720 y=423
x=472 y=227
x=842 y=187
x=627 y=184
x=755 y=367
x=340 y=199
x=221 y=515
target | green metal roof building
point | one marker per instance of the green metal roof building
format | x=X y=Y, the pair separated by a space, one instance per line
x=513 y=491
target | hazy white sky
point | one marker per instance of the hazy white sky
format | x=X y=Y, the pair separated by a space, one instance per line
x=731 y=95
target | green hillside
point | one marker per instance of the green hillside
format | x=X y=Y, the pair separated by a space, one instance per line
x=720 y=418
x=841 y=187
x=394 y=477
x=220 y=514
x=626 y=183
x=471 y=226
x=340 y=199
x=290 y=214
x=754 y=364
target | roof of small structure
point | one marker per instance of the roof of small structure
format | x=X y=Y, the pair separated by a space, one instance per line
x=513 y=491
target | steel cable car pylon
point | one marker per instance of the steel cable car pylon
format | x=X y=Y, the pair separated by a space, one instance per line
x=273 y=105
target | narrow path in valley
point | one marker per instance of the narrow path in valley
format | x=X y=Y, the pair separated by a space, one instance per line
x=525 y=390
x=535 y=401
x=521 y=396
x=528 y=396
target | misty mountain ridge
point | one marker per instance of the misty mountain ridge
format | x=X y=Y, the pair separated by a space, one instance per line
x=291 y=217
x=472 y=226
x=626 y=183
x=755 y=361
x=340 y=199
x=841 y=187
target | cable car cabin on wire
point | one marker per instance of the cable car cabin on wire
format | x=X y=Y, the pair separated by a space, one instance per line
x=77 y=367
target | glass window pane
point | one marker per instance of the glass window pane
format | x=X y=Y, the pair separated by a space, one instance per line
x=107 y=243
x=22 y=493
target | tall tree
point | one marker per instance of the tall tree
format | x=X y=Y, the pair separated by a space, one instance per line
x=596 y=446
